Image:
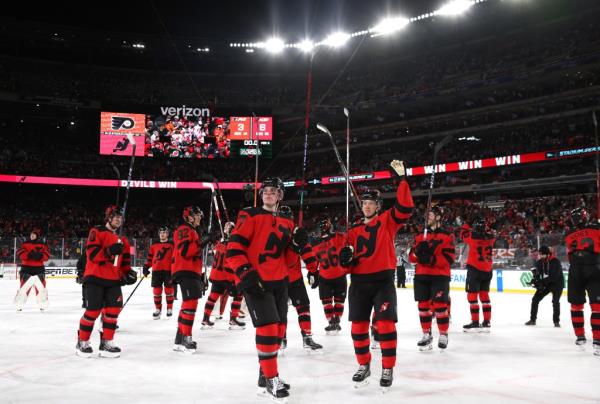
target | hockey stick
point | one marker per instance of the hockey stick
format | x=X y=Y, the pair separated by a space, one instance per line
x=133 y=147
x=116 y=170
x=438 y=146
x=595 y=122
x=132 y=292
x=214 y=205
x=221 y=198
x=347 y=113
x=355 y=199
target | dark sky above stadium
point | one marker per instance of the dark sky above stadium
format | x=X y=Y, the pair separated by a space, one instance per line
x=237 y=20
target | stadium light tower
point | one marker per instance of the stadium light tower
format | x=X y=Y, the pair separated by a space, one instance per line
x=337 y=39
x=274 y=45
x=390 y=25
x=455 y=7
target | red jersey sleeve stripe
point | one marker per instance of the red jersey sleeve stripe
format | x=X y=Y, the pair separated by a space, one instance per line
x=238 y=238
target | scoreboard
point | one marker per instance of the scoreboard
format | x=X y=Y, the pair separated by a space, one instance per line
x=246 y=133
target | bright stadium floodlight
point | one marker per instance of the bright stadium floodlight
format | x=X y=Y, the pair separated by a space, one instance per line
x=455 y=7
x=390 y=25
x=274 y=45
x=306 y=46
x=337 y=39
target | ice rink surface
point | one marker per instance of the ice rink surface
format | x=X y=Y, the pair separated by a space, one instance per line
x=512 y=364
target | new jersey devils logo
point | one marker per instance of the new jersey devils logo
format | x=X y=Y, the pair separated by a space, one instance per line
x=384 y=307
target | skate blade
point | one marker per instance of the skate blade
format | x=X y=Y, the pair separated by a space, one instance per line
x=426 y=348
x=472 y=330
x=597 y=352
x=206 y=327
x=179 y=348
x=155 y=318
x=360 y=385
x=278 y=399
x=384 y=390
x=83 y=354
x=331 y=333
x=311 y=351
x=104 y=354
x=484 y=331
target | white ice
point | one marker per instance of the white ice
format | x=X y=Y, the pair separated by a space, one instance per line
x=513 y=364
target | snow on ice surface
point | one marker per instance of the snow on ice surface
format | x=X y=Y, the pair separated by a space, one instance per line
x=513 y=364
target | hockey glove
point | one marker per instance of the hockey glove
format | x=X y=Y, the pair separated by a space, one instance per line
x=146 y=270
x=398 y=168
x=115 y=249
x=208 y=239
x=130 y=277
x=250 y=282
x=204 y=283
x=347 y=256
x=34 y=255
x=79 y=279
x=299 y=238
x=313 y=279
x=424 y=254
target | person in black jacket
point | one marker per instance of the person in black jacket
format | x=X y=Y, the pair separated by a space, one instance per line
x=80 y=270
x=547 y=278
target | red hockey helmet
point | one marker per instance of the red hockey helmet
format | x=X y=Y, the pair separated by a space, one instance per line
x=191 y=211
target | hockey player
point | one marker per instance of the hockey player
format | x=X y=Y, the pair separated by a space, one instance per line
x=479 y=274
x=433 y=257
x=260 y=252
x=160 y=258
x=187 y=272
x=583 y=246
x=222 y=285
x=371 y=259
x=332 y=276
x=32 y=254
x=103 y=280
x=297 y=290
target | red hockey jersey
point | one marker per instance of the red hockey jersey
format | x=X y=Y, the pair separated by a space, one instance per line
x=187 y=254
x=99 y=267
x=217 y=272
x=327 y=251
x=262 y=240
x=481 y=246
x=374 y=252
x=441 y=241
x=160 y=256
x=36 y=246
x=583 y=245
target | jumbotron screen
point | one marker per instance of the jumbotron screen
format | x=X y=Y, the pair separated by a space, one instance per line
x=194 y=137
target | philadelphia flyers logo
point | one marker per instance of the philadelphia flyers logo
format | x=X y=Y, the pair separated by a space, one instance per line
x=122 y=122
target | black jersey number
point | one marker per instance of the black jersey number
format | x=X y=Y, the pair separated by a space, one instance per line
x=328 y=258
x=485 y=253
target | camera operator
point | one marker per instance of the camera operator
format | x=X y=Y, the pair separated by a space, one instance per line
x=547 y=278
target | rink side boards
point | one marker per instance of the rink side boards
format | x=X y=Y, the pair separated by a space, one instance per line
x=505 y=281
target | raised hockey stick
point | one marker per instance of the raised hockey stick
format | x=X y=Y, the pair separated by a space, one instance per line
x=355 y=199
x=133 y=147
x=221 y=199
x=116 y=170
x=347 y=113
x=438 y=146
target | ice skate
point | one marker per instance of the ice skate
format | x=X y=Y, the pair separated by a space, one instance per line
x=425 y=343
x=361 y=377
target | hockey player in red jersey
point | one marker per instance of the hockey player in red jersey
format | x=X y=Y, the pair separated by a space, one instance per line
x=187 y=273
x=297 y=290
x=583 y=246
x=160 y=258
x=103 y=280
x=332 y=276
x=222 y=285
x=433 y=257
x=32 y=254
x=479 y=274
x=260 y=253
x=371 y=259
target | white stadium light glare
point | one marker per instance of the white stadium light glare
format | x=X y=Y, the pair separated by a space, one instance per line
x=274 y=45
x=390 y=25
x=337 y=39
x=455 y=7
x=306 y=46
